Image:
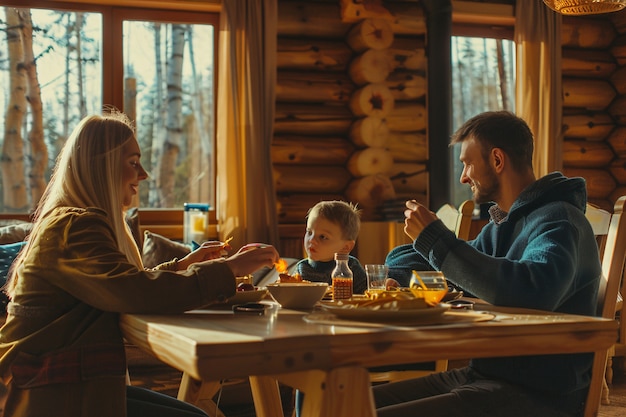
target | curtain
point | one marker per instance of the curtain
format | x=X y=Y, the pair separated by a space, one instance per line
x=246 y=197
x=538 y=97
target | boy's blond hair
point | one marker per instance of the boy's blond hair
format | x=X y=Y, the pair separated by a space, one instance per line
x=345 y=215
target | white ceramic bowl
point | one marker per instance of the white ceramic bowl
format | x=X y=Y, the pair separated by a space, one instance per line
x=300 y=295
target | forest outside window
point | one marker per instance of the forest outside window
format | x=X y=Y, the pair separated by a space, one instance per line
x=157 y=66
x=483 y=72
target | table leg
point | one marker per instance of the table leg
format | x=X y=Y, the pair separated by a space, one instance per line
x=341 y=392
x=266 y=395
x=200 y=394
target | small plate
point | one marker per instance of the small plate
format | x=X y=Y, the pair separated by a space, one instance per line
x=402 y=316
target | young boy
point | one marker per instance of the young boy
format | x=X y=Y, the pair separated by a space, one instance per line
x=332 y=227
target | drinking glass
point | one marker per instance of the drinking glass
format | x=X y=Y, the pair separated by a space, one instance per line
x=429 y=285
x=376 y=277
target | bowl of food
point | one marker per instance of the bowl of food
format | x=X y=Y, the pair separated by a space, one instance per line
x=429 y=285
x=297 y=295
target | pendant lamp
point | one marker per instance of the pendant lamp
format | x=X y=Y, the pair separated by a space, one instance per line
x=583 y=7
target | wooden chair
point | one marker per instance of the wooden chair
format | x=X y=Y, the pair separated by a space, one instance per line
x=460 y=222
x=612 y=246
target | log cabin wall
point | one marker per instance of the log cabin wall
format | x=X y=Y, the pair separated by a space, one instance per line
x=351 y=118
x=594 y=104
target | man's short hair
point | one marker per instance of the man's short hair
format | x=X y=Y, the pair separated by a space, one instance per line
x=500 y=129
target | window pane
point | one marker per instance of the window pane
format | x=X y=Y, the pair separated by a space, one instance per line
x=169 y=91
x=66 y=80
x=483 y=79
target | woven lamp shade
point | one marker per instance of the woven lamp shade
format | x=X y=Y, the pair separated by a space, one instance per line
x=583 y=7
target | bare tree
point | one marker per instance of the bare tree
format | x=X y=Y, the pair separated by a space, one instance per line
x=12 y=159
x=38 y=148
x=171 y=146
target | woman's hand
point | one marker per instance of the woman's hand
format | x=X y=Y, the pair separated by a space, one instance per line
x=212 y=249
x=252 y=257
x=417 y=217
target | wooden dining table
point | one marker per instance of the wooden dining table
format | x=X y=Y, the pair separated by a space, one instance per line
x=326 y=357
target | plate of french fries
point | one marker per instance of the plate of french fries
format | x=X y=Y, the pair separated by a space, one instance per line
x=394 y=306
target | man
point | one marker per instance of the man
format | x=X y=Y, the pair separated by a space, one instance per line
x=538 y=251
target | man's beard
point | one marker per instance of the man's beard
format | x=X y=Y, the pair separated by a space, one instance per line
x=489 y=189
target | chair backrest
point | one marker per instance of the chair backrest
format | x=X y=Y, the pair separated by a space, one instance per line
x=459 y=221
x=613 y=255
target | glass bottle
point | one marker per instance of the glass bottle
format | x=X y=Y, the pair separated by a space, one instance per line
x=342 y=278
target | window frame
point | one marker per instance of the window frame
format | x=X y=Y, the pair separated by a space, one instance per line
x=167 y=221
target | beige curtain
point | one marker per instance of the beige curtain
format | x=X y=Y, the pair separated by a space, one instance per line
x=246 y=208
x=538 y=97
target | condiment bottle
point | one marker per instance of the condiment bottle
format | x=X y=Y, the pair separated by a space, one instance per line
x=342 y=278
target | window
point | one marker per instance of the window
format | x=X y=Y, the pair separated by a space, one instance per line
x=483 y=79
x=158 y=66
x=483 y=71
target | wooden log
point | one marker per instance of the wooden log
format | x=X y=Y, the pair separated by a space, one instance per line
x=294 y=207
x=587 y=63
x=312 y=54
x=370 y=191
x=370 y=161
x=370 y=34
x=312 y=119
x=405 y=86
x=312 y=87
x=408 y=147
x=586 y=32
x=618 y=49
x=587 y=93
x=617 y=140
x=600 y=182
x=312 y=178
x=408 y=53
x=619 y=191
x=618 y=79
x=311 y=20
x=372 y=100
x=408 y=18
x=372 y=66
x=407 y=117
x=355 y=10
x=409 y=178
x=619 y=23
x=369 y=131
x=618 y=170
x=587 y=125
x=617 y=110
x=311 y=150
x=603 y=203
x=586 y=154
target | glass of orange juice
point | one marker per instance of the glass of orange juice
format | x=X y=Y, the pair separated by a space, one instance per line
x=429 y=285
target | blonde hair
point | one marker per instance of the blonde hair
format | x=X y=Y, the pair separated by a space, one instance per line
x=345 y=215
x=88 y=174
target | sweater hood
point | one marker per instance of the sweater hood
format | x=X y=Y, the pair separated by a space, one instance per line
x=551 y=188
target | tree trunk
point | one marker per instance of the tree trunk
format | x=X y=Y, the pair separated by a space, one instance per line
x=39 y=150
x=158 y=126
x=305 y=119
x=370 y=161
x=12 y=160
x=171 y=147
x=292 y=86
x=372 y=66
x=370 y=131
x=201 y=158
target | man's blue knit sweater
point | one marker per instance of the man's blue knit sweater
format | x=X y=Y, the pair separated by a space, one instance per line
x=542 y=254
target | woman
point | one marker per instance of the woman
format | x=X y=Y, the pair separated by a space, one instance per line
x=61 y=347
